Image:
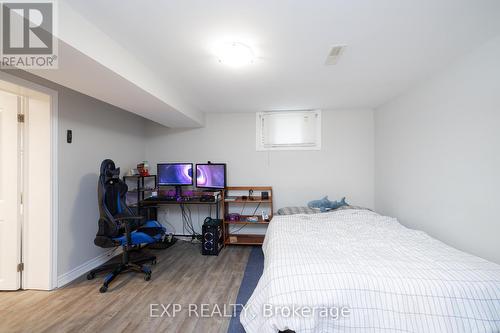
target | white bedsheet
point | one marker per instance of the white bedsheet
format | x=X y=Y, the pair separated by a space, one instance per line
x=393 y=279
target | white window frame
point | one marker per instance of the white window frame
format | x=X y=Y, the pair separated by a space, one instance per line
x=316 y=145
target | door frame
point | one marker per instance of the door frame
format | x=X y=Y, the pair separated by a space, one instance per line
x=54 y=188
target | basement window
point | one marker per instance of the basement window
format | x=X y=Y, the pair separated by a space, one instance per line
x=288 y=130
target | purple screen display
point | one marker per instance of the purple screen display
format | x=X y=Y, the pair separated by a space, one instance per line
x=210 y=175
x=175 y=174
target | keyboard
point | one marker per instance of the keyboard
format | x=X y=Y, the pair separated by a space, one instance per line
x=172 y=199
x=161 y=198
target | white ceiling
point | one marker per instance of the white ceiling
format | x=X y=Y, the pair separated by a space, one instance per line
x=391 y=46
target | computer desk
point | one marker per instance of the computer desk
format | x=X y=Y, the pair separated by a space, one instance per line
x=152 y=203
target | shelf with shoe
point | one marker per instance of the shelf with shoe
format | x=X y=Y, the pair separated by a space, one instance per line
x=239 y=198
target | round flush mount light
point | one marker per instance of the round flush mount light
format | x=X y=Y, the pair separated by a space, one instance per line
x=234 y=54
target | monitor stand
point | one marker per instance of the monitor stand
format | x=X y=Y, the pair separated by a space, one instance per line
x=178 y=191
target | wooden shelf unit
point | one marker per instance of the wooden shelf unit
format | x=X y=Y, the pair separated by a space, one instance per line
x=239 y=199
x=250 y=201
x=245 y=239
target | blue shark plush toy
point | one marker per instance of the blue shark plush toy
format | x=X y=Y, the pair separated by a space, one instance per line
x=324 y=204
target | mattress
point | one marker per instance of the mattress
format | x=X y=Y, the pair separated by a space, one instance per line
x=358 y=271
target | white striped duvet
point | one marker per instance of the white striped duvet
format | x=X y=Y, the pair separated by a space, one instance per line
x=392 y=279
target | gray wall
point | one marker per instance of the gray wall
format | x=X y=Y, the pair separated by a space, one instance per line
x=100 y=131
x=343 y=167
x=438 y=155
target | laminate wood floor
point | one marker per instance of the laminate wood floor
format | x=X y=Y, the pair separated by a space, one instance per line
x=181 y=276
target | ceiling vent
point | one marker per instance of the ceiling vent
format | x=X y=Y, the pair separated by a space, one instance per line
x=334 y=54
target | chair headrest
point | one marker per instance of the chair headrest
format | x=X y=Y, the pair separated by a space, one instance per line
x=109 y=171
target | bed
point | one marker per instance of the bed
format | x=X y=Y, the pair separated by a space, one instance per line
x=388 y=277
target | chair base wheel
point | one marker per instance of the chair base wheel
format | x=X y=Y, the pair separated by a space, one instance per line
x=118 y=269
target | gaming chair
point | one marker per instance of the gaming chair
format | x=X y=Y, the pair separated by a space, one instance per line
x=119 y=226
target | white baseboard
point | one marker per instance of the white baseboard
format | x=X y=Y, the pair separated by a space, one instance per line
x=76 y=272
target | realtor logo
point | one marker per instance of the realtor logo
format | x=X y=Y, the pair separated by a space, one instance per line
x=28 y=35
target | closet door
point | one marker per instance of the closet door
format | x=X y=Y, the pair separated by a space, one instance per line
x=10 y=230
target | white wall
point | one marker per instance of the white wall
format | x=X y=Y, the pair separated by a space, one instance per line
x=436 y=165
x=343 y=167
x=100 y=131
x=438 y=155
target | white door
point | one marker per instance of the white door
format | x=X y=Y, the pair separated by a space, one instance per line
x=10 y=278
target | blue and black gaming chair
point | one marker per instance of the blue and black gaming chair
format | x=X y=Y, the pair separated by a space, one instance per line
x=119 y=226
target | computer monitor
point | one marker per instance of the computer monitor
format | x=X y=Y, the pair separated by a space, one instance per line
x=175 y=174
x=211 y=175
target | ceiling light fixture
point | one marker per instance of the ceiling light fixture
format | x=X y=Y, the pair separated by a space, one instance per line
x=234 y=54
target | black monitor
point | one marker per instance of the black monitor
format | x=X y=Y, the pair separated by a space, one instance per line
x=175 y=174
x=211 y=175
